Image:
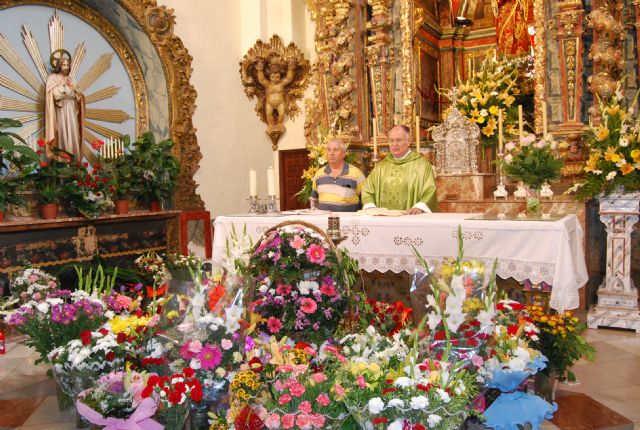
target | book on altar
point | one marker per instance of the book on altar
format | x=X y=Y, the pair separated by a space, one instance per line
x=380 y=212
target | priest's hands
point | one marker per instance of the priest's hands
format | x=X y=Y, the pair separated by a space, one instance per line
x=414 y=211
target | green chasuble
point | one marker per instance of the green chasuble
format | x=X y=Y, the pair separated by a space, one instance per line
x=400 y=184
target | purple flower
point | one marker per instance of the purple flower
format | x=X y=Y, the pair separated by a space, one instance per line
x=249 y=344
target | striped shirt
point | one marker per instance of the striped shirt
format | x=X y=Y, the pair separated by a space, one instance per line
x=340 y=194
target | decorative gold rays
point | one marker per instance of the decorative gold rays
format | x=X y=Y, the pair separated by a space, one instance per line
x=33 y=118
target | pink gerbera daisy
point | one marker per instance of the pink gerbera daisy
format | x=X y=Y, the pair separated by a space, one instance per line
x=274 y=325
x=210 y=356
x=315 y=253
x=308 y=306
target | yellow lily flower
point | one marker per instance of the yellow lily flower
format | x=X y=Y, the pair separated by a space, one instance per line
x=493 y=110
x=626 y=168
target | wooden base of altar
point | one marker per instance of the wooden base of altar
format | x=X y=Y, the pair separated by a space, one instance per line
x=50 y=243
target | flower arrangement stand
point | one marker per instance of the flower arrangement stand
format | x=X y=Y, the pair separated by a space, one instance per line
x=617 y=296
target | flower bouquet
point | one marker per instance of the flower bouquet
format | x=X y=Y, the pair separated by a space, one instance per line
x=510 y=362
x=89 y=190
x=389 y=318
x=32 y=284
x=560 y=341
x=300 y=283
x=175 y=394
x=614 y=150
x=56 y=320
x=116 y=402
x=533 y=163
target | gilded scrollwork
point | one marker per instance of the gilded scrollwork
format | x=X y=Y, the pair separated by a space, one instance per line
x=277 y=76
x=540 y=62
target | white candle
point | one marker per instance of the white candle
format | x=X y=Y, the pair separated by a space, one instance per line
x=252 y=183
x=500 y=131
x=520 y=124
x=544 y=120
x=375 y=139
x=418 y=134
x=271 y=183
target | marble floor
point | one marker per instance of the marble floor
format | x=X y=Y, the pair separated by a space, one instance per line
x=28 y=397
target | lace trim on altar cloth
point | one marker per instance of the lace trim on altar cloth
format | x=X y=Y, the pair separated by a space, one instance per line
x=517 y=269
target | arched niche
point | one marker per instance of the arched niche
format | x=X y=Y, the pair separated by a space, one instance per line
x=159 y=66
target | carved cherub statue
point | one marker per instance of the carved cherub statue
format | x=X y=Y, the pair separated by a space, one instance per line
x=274 y=88
x=277 y=77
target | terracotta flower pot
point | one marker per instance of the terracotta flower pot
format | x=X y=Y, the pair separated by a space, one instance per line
x=1 y=216
x=49 y=211
x=121 y=206
x=155 y=206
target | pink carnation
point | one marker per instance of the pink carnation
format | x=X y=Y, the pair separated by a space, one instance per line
x=308 y=306
x=274 y=325
x=190 y=348
x=361 y=382
x=284 y=399
x=319 y=377
x=305 y=407
x=317 y=420
x=304 y=421
x=323 y=399
x=297 y=389
x=272 y=421
x=288 y=421
x=315 y=254
x=339 y=390
x=297 y=242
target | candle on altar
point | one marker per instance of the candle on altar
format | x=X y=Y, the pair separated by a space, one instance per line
x=271 y=183
x=375 y=139
x=500 y=131
x=520 y=124
x=418 y=134
x=544 y=120
x=253 y=188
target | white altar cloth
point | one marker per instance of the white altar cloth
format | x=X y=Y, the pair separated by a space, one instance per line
x=549 y=251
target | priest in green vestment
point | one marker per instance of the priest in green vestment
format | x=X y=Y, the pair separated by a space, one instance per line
x=404 y=180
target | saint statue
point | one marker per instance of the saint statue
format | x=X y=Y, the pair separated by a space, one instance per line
x=64 y=107
x=511 y=26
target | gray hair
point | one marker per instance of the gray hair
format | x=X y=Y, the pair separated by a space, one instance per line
x=338 y=140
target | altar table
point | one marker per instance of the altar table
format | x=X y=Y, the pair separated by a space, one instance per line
x=549 y=251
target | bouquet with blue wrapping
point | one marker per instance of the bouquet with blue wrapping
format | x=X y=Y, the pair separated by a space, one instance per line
x=511 y=362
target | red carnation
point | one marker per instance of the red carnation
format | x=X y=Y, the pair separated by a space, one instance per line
x=43 y=164
x=85 y=164
x=121 y=337
x=110 y=356
x=441 y=335
x=379 y=420
x=103 y=331
x=105 y=180
x=423 y=387
x=41 y=143
x=85 y=336
x=388 y=390
x=196 y=393
x=147 y=391
x=153 y=380
x=418 y=427
x=188 y=372
x=513 y=329
x=175 y=397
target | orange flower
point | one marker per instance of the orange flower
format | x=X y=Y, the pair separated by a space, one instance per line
x=626 y=168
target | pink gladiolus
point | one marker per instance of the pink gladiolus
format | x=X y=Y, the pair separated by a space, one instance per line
x=323 y=399
x=315 y=254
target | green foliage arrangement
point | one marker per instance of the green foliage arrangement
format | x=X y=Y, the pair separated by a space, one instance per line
x=17 y=161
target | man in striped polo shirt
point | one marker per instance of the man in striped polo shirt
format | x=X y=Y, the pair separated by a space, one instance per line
x=338 y=185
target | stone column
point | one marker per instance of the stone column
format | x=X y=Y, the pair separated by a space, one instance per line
x=617 y=296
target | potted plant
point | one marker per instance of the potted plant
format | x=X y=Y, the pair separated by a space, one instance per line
x=49 y=181
x=154 y=169
x=119 y=169
x=16 y=161
x=88 y=189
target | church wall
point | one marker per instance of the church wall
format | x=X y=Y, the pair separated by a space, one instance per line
x=231 y=137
